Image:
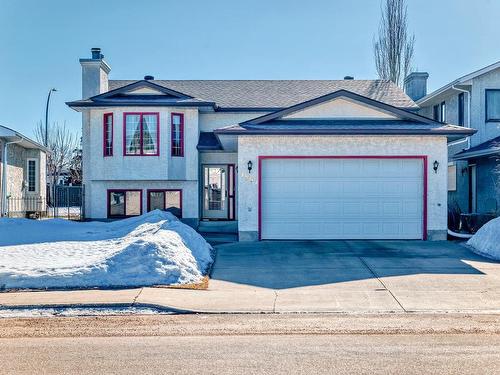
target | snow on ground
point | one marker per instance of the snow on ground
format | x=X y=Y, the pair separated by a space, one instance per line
x=28 y=312
x=152 y=249
x=487 y=240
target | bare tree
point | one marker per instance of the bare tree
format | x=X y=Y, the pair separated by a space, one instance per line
x=393 y=48
x=61 y=142
x=75 y=168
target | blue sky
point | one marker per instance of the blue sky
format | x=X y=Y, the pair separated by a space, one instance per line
x=41 y=42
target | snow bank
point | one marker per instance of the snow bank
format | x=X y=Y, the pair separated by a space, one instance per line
x=487 y=240
x=155 y=248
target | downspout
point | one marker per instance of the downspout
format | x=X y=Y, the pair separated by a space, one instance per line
x=4 y=177
x=468 y=110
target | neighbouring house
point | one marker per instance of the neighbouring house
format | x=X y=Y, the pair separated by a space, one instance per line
x=22 y=174
x=471 y=101
x=287 y=159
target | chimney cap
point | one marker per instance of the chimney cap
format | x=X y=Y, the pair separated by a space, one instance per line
x=348 y=78
x=149 y=78
x=96 y=53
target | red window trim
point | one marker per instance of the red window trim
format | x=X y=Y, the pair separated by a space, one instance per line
x=141 y=114
x=181 y=131
x=163 y=190
x=421 y=157
x=108 y=191
x=105 y=133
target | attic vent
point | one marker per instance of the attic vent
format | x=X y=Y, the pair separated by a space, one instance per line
x=348 y=77
x=149 y=78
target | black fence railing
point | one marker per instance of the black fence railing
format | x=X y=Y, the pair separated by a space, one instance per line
x=63 y=202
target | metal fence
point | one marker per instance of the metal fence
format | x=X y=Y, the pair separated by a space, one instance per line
x=65 y=202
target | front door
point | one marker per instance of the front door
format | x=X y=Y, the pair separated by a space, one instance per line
x=215 y=191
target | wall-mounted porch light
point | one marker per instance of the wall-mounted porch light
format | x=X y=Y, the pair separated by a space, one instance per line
x=436 y=166
x=249 y=166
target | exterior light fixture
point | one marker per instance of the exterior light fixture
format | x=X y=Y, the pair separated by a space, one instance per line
x=436 y=166
x=249 y=166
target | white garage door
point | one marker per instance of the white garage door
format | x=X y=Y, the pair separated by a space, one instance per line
x=342 y=199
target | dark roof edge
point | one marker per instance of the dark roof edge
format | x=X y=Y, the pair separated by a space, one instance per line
x=138 y=84
x=242 y=131
x=138 y=104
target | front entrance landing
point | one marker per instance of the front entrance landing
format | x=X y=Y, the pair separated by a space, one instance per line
x=355 y=276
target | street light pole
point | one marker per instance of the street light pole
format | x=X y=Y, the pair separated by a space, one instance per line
x=47 y=118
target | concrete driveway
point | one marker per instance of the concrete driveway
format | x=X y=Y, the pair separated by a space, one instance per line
x=353 y=276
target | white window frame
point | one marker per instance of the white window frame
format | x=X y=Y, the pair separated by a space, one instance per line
x=37 y=176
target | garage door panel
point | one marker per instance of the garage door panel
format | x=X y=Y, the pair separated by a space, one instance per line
x=341 y=198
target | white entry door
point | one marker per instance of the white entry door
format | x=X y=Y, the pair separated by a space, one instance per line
x=327 y=198
x=215 y=194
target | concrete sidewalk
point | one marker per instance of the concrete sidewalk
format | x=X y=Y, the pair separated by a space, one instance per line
x=317 y=276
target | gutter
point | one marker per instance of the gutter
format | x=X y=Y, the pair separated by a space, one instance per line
x=3 y=211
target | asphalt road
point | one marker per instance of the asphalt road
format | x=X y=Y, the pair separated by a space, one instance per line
x=252 y=344
x=271 y=354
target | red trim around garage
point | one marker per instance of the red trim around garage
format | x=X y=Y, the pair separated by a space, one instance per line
x=421 y=157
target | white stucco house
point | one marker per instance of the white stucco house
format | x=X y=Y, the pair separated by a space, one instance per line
x=325 y=159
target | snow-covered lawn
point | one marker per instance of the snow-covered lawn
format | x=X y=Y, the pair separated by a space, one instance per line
x=487 y=240
x=152 y=249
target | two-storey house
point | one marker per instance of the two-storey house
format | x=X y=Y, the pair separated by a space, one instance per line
x=471 y=101
x=288 y=159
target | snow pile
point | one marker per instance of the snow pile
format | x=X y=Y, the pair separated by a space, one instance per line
x=152 y=249
x=487 y=239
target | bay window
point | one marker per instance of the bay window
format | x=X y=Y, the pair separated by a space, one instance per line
x=141 y=134
x=177 y=143
x=124 y=203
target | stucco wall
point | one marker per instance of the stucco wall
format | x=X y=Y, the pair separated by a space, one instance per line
x=213 y=120
x=119 y=167
x=96 y=195
x=250 y=147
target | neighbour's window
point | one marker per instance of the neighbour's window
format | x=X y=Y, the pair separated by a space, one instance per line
x=492 y=105
x=177 y=146
x=442 y=112
x=461 y=109
x=452 y=177
x=167 y=200
x=435 y=112
x=124 y=203
x=141 y=134
x=32 y=175
x=108 y=134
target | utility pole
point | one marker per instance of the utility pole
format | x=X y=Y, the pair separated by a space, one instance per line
x=47 y=117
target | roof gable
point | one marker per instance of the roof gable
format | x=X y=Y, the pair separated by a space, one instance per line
x=141 y=88
x=340 y=108
x=341 y=104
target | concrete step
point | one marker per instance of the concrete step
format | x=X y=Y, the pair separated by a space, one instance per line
x=218 y=227
x=214 y=238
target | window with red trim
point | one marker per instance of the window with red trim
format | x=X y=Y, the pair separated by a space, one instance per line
x=108 y=135
x=124 y=203
x=167 y=200
x=141 y=134
x=177 y=142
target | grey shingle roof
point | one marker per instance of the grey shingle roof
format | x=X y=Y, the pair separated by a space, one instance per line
x=278 y=93
x=489 y=147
